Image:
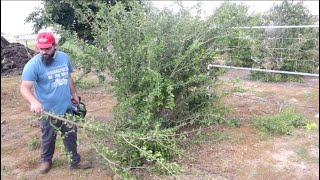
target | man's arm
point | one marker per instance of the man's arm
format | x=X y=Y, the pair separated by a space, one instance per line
x=73 y=90
x=26 y=91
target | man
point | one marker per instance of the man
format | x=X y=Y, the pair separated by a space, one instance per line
x=48 y=74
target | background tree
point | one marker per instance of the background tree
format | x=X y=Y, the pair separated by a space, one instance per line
x=70 y=15
x=289 y=49
x=288 y=13
x=238 y=43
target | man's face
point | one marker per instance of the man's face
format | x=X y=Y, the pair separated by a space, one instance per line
x=47 y=55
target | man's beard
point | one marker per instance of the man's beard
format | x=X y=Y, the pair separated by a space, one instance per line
x=47 y=59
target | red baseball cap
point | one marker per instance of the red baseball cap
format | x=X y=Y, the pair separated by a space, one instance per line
x=45 y=40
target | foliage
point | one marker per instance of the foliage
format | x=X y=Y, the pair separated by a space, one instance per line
x=291 y=49
x=311 y=125
x=288 y=13
x=158 y=63
x=282 y=123
x=237 y=43
x=71 y=15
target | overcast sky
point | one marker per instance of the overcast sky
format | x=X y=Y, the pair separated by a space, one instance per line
x=13 y=13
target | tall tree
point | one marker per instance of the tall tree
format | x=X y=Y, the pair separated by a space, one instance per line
x=292 y=49
x=70 y=15
x=226 y=22
x=288 y=13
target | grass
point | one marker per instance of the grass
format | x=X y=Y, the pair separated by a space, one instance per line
x=34 y=144
x=310 y=96
x=302 y=152
x=84 y=84
x=60 y=162
x=211 y=137
x=237 y=84
x=271 y=77
x=234 y=122
x=86 y=81
x=236 y=87
x=10 y=83
x=282 y=123
x=4 y=172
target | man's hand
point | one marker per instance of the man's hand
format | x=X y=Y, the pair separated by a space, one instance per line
x=36 y=107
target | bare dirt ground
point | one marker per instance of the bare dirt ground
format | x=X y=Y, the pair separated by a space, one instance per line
x=232 y=153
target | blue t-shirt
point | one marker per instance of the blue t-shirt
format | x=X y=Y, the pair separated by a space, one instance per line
x=51 y=83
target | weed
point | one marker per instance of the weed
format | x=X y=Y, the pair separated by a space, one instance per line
x=311 y=125
x=253 y=174
x=311 y=96
x=282 y=123
x=235 y=81
x=211 y=137
x=233 y=122
x=86 y=84
x=303 y=154
x=219 y=136
x=238 y=89
x=4 y=172
x=34 y=144
x=270 y=77
x=301 y=151
x=258 y=93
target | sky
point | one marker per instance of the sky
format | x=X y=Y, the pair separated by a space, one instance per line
x=13 y=13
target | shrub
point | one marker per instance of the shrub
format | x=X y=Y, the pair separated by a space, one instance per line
x=281 y=123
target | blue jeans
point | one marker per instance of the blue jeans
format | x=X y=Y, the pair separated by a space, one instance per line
x=48 y=139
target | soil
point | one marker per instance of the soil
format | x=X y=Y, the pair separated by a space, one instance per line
x=13 y=57
x=228 y=152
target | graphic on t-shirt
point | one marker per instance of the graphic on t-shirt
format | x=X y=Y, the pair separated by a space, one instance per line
x=59 y=75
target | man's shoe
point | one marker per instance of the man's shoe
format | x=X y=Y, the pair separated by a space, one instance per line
x=45 y=166
x=82 y=165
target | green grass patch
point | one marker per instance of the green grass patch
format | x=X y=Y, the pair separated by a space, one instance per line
x=34 y=144
x=86 y=84
x=235 y=88
x=234 y=122
x=282 y=123
x=237 y=84
x=272 y=77
x=60 y=162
